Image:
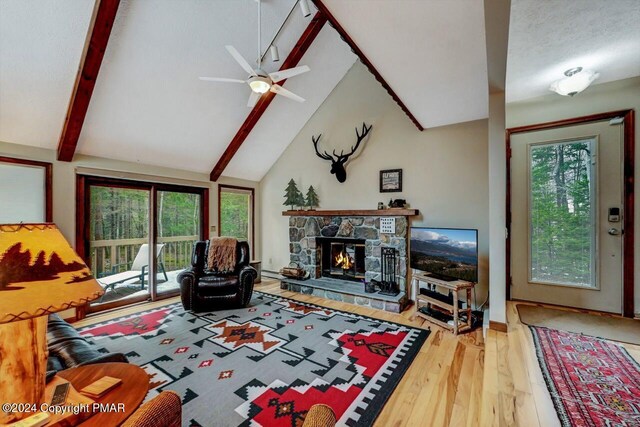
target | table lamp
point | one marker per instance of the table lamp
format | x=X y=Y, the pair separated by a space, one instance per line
x=39 y=274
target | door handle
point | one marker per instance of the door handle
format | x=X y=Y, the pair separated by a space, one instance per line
x=614 y=232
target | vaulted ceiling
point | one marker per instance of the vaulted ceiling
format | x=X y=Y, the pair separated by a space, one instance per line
x=148 y=105
x=432 y=53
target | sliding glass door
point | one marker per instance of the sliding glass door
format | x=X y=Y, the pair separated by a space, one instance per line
x=179 y=227
x=119 y=241
x=118 y=222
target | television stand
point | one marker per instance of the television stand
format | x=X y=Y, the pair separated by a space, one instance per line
x=441 y=277
x=439 y=308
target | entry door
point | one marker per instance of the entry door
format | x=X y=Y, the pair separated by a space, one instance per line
x=566 y=204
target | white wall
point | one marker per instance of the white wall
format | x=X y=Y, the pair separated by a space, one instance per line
x=497 y=211
x=496 y=22
x=619 y=95
x=64 y=183
x=445 y=172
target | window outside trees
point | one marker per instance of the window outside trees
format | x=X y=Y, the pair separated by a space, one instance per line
x=236 y=213
x=562 y=220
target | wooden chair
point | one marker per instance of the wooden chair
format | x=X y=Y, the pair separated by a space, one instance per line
x=164 y=410
x=320 y=415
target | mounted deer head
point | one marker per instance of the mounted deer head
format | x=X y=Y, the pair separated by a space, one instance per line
x=338 y=160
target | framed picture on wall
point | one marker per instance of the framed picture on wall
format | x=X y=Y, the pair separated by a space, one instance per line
x=391 y=181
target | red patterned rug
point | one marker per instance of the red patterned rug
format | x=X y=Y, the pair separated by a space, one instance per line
x=267 y=364
x=593 y=382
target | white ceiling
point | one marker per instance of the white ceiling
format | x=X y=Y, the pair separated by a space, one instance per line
x=432 y=53
x=40 y=47
x=547 y=37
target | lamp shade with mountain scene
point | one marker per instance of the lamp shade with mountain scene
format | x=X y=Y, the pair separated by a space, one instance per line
x=40 y=273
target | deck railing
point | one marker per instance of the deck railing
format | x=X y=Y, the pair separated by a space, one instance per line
x=113 y=256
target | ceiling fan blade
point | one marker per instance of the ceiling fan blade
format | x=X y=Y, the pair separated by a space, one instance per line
x=253 y=99
x=285 y=74
x=279 y=90
x=240 y=60
x=221 y=79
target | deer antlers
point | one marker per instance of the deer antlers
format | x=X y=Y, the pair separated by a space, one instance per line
x=325 y=155
x=338 y=160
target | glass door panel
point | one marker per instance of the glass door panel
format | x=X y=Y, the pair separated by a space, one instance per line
x=119 y=242
x=562 y=214
x=179 y=227
x=236 y=213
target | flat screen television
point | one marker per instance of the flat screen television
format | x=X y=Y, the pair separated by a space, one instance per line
x=447 y=253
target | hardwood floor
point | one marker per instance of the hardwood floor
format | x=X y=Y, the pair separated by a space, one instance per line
x=454 y=381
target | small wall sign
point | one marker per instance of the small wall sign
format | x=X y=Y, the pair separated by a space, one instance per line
x=388 y=225
x=391 y=181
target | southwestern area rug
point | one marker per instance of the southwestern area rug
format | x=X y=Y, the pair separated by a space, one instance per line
x=592 y=381
x=265 y=365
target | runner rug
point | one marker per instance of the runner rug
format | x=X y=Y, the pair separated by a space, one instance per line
x=265 y=365
x=592 y=381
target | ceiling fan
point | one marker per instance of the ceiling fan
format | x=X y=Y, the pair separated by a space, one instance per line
x=260 y=81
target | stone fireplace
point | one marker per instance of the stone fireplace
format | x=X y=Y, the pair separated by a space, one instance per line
x=320 y=241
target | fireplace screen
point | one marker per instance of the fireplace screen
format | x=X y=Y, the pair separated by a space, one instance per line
x=343 y=259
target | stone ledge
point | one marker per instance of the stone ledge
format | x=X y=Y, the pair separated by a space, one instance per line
x=346 y=291
x=355 y=212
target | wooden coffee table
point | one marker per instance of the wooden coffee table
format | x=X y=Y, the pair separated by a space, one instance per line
x=134 y=388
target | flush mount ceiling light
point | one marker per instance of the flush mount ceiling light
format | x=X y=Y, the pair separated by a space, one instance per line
x=576 y=81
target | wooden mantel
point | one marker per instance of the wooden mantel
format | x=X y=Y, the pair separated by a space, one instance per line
x=355 y=212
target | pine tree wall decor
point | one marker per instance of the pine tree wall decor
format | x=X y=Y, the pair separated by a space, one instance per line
x=293 y=196
x=312 y=200
x=299 y=199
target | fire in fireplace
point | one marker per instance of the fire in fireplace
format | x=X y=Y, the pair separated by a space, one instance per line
x=342 y=258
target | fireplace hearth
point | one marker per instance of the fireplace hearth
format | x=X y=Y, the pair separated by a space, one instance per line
x=342 y=258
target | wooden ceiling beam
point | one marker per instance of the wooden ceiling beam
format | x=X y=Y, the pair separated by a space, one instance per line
x=104 y=15
x=354 y=47
x=300 y=48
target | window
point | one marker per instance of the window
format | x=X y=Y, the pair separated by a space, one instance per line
x=25 y=191
x=562 y=220
x=235 y=215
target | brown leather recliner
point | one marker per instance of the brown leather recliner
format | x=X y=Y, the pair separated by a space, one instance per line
x=203 y=290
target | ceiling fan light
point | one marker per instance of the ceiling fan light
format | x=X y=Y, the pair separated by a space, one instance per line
x=259 y=84
x=304 y=8
x=275 y=56
x=576 y=81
